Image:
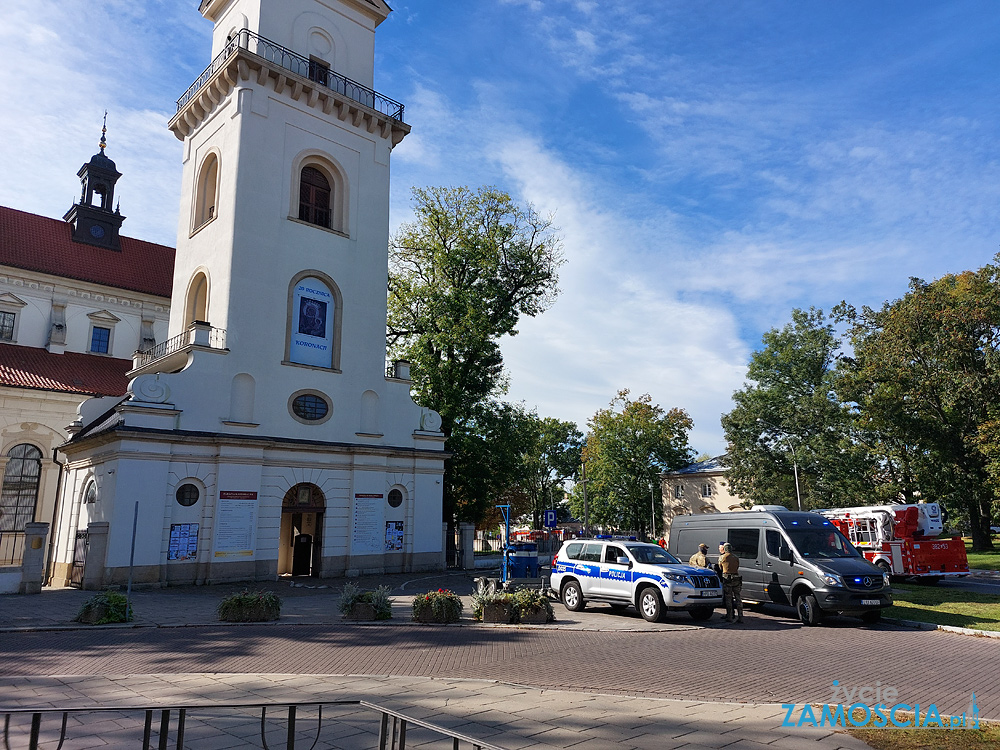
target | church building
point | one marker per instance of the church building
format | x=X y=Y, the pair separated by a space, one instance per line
x=76 y=300
x=265 y=436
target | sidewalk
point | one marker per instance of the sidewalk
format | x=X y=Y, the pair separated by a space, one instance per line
x=312 y=602
x=515 y=717
x=508 y=715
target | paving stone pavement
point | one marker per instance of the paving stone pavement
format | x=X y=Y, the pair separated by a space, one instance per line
x=593 y=679
x=511 y=716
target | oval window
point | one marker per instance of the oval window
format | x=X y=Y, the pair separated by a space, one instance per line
x=395 y=498
x=187 y=495
x=310 y=407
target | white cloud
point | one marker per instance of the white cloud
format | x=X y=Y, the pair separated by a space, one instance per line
x=619 y=322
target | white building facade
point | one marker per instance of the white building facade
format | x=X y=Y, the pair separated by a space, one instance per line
x=265 y=437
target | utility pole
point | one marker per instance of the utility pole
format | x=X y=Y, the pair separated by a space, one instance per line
x=652 y=507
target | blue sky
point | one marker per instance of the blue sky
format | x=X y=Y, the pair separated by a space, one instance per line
x=710 y=165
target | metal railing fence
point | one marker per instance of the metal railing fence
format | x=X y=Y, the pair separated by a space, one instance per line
x=296 y=63
x=174 y=720
x=216 y=340
x=11 y=547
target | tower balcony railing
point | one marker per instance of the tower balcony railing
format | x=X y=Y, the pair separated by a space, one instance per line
x=198 y=335
x=296 y=63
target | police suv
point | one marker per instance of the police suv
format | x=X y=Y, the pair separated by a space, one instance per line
x=623 y=572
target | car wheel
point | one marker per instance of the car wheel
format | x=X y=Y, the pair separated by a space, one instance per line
x=700 y=614
x=884 y=566
x=572 y=597
x=872 y=618
x=809 y=611
x=650 y=605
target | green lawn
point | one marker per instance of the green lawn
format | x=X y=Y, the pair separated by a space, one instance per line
x=940 y=606
x=983 y=560
x=896 y=738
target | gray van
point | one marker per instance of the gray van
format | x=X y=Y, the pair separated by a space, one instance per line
x=791 y=558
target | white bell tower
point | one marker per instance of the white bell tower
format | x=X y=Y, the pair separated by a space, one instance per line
x=283 y=236
x=266 y=436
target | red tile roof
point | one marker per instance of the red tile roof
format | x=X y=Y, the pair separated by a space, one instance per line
x=72 y=372
x=37 y=243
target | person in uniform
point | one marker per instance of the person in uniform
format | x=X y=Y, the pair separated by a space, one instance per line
x=732 y=582
x=700 y=558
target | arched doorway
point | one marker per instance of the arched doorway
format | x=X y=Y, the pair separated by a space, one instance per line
x=301 y=546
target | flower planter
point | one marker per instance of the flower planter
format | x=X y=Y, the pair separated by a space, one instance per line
x=93 y=615
x=539 y=617
x=497 y=613
x=361 y=611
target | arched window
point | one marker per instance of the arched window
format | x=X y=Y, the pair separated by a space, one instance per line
x=19 y=493
x=196 y=307
x=207 y=191
x=314 y=321
x=315 y=195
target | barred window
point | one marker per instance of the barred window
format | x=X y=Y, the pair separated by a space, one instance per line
x=314 y=197
x=19 y=493
x=7 y=326
x=310 y=407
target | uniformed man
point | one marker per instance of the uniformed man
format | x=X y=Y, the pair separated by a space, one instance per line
x=732 y=582
x=700 y=558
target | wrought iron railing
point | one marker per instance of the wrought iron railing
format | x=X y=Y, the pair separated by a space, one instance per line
x=27 y=723
x=11 y=547
x=214 y=338
x=296 y=63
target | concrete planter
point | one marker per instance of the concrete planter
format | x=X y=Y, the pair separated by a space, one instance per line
x=93 y=615
x=361 y=611
x=539 y=617
x=502 y=613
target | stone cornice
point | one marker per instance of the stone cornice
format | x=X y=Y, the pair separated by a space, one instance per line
x=121 y=434
x=244 y=66
x=81 y=292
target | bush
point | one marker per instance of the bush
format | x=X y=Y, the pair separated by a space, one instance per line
x=104 y=608
x=379 y=599
x=529 y=602
x=250 y=606
x=437 y=606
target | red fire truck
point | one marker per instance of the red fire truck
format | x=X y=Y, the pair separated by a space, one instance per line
x=903 y=540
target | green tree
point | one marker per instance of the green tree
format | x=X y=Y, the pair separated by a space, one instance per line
x=628 y=446
x=552 y=459
x=788 y=418
x=926 y=377
x=461 y=275
x=487 y=465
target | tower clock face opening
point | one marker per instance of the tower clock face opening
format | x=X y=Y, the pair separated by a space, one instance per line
x=96 y=231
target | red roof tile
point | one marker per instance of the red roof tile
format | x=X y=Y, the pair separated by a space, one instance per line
x=72 y=372
x=37 y=243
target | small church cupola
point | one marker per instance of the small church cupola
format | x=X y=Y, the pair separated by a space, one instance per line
x=93 y=220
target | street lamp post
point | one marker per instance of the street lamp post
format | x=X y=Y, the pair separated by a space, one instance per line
x=791 y=450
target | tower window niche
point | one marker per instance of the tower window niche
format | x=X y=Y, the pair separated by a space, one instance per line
x=207 y=191
x=314 y=321
x=315 y=195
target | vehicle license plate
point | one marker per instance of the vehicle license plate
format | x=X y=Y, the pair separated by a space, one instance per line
x=870 y=602
x=714 y=592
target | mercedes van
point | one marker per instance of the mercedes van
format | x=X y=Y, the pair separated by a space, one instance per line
x=791 y=558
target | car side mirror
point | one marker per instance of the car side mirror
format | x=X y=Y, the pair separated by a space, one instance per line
x=785 y=553
x=624 y=561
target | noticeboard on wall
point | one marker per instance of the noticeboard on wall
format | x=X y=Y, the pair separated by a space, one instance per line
x=183 y=541
x=393 y=536
x=235 y=524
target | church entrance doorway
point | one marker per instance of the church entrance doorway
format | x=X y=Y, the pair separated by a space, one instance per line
x=301 y=549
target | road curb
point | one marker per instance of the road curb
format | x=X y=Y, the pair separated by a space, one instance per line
x=916 y=624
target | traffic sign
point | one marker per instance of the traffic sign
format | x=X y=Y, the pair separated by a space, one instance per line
x=550 y=519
